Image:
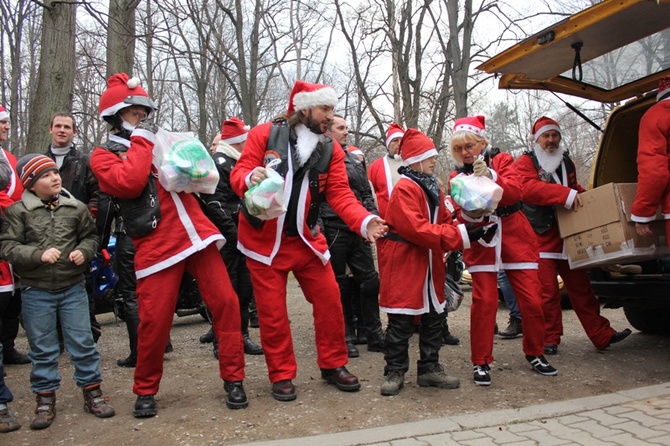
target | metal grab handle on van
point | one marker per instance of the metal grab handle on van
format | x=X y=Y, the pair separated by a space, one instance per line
x=577 y=64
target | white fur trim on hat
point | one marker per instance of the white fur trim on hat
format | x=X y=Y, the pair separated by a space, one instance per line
x=310 y=99
x=3 y=114
x=236 y=139
x=392 y=136
x=545 y=128
x=423 y=156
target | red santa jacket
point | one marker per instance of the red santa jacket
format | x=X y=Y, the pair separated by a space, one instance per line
x=262 y=244
x=515 y=245
x=561 y=192
x=381 y=177
x=183 y=228
x=405 y=288
x=653 y=164
x=10 y=195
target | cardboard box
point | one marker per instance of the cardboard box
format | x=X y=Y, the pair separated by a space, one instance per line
x=602 y=233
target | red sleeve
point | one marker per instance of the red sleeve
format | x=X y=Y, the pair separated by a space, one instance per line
x=536 y=191
x=127 y=177
x=507 y=178
x=252 y=157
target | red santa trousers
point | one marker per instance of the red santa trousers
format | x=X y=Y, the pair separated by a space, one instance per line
x=320 y=288
x=582 y=298
x=157 y=299
x=484 y=308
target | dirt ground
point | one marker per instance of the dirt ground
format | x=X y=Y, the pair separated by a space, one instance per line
x=191 y=403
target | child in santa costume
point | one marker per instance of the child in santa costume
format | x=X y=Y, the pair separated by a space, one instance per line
x=653 y=159
x=184 y=239
x=516 y=251
x=313 y=169
x=412 y=284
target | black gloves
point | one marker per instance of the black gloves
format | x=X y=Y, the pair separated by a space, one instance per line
x=485 y=233
x=149 y=126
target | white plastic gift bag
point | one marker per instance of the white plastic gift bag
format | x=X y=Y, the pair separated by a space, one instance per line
x=265 y=200
x=183 y=163
x=473 y=193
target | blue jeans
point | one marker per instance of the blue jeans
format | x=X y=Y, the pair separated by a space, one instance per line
x=40 y=308
x=508 y=294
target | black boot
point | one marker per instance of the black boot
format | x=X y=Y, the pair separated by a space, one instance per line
x=237 y=398
x=376 y=340
x=207 y=337
x=447 y=337
x=145 y=407
x=250 y=347
x=132 y=322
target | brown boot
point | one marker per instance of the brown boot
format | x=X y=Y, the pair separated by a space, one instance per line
x=8 y=421
x=45 y=411
x=97 y=404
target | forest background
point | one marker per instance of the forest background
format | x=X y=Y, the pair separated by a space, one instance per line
x=203 y=61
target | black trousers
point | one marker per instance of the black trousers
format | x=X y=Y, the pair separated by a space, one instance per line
x=349 y=249
x=400 y=329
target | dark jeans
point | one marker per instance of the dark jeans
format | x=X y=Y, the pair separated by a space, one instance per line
x=10 y=311
x=348 y=248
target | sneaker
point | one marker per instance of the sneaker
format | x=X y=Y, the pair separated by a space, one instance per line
x=541 y=365
x=393 y=382
x=96 y=403
x=437 y=378
x=482 y=376
x=45 y=411
x=8 y=421
x=513 y=329
x=551 y=349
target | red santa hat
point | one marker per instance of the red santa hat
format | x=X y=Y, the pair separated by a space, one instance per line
x=305 y=95
x=394 y=132
x=4 y=114
x=663 y=88
x=355 y=150
x=544 y=124
x=472 y=124
x=123 y=92
x=234 y=131
x=416 y=147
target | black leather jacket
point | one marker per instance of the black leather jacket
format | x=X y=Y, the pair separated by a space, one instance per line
x=77 y=177
x=223 y=206
x=360 y=186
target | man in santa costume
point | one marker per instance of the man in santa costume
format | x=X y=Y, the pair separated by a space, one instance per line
x=383 y=173
x=548 y=179
x=10 y=297
x=420 y=233
x=653 y=159
x=516 y=252
x=313 y=169
x=182 y=240
x=10 y=302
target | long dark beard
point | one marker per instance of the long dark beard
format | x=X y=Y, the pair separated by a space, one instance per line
x=312 y=125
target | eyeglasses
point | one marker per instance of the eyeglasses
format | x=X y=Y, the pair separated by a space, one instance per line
x=469 y=147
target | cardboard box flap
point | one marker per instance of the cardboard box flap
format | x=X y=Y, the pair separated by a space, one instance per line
x=601 y=207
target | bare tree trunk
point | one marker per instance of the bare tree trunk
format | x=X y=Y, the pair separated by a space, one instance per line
x=121 y=36
x=55 y=82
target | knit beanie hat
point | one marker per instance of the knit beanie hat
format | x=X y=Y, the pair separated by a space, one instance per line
x=234 y=131
x=416 y=147
x=305 y=95
x=32 y=166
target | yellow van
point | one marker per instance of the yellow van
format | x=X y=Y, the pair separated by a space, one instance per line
x=612 y=52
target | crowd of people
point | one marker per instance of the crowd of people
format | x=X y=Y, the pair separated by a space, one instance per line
x=59 y=208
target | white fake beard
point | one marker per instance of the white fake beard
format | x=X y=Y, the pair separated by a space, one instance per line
x=548 y=161
x=127 y=125
x=306 y=143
